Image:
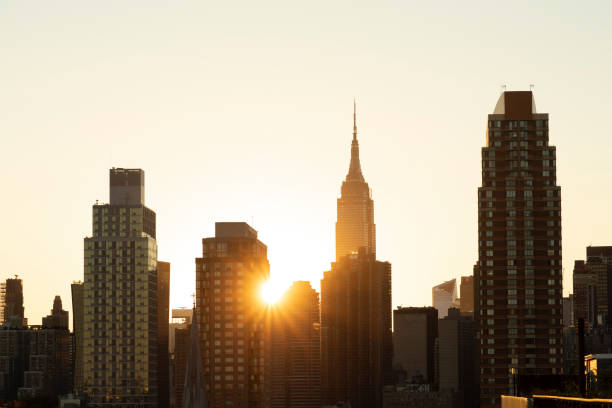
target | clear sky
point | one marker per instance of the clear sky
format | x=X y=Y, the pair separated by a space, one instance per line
x=242 y=111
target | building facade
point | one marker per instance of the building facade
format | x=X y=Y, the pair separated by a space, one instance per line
x=458 y=358
x=356 y=340
x=58 y=317
x=415 y=330
x=13 y=303
x=519 y=244
x=295 y=360
x=120 y=328
x=355 y=226
x=231 y=312
x=163 y=333
x=76 y=290
x=466 y=300
x=593 y=287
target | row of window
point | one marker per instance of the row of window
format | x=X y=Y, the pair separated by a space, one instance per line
x=513 y=124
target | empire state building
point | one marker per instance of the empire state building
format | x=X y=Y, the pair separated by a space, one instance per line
x=355 y=227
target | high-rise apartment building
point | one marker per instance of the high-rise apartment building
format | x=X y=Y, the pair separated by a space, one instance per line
x=295 y=360
x=593 y=287
x=231 y=312
x=120 y=329
x=519 y=243
x=76 y=290
x=355 y=226
x=13 y=303
x=415 y=330
x=466 y=299
x=444 y=296
x=356 y=339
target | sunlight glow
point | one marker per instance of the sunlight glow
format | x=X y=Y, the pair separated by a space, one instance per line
x=272 y=291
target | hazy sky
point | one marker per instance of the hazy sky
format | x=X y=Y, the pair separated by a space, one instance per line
x=242 y=111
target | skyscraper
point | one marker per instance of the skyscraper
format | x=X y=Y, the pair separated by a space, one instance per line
x=444 y=296
x=295 y=359
x=585 y=294
x=194 y=395
x=163 y=332
x=414 y=336
x=13 y=303
x=58 y=317
x=355 y=227
x=356 y=342
x=519 y=244
x=77 y=338
x=231 y=312
x=120 y=331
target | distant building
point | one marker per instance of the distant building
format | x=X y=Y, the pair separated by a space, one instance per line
x=444 y=296
x=58 y=319
x=120 y=329
x=568 y=310
x=519 y=246
x=13 y=303
x=179 y=348
x=591 y=286
x=585 y=294
x=356 y=338
x=231 y=312
x=355 y=228
x=180 y=358
x=466 y=301
x=194 y=394
x=295 y=347
x=417 y=396
x=77 y=328
x=458 y=358
x=163 y=327
x=415 y=330
x=14 y=360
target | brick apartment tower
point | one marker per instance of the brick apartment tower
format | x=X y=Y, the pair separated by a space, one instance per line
x=120 y=326
x=593 y=287
x=230 y=310
x=519 y=243
x=13 y=302
x=295 y=345
x=355 y=226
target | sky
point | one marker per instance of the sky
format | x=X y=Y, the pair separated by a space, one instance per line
x=242 y=111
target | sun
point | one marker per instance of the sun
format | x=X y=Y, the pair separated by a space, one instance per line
x=272 y=291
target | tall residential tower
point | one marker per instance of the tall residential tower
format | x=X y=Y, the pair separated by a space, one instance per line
x=519 y=246
x=120 y=298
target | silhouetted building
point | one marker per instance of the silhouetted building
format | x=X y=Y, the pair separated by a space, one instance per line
x=229 y=277
x=58 y=319
x=519 y=244
x=466 y=301
x=585 y=294
x=444 y=296
x=295 y=377
x=593 y=287
x=181 y=354
x=181 y=318
x=356 y=342
x=194 y=393
x=120 y=332
x=14 y=360
x=457 y=350
x=568 y=310
x=163 y=328
x=415 y=330
x=49 y=363
x=77 y=336
x=355 y=226
x=13 y=303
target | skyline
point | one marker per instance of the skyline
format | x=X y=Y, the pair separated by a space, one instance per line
x=419 y=123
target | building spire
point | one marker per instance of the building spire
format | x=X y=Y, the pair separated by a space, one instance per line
x=354 y=119
x=354 y=173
